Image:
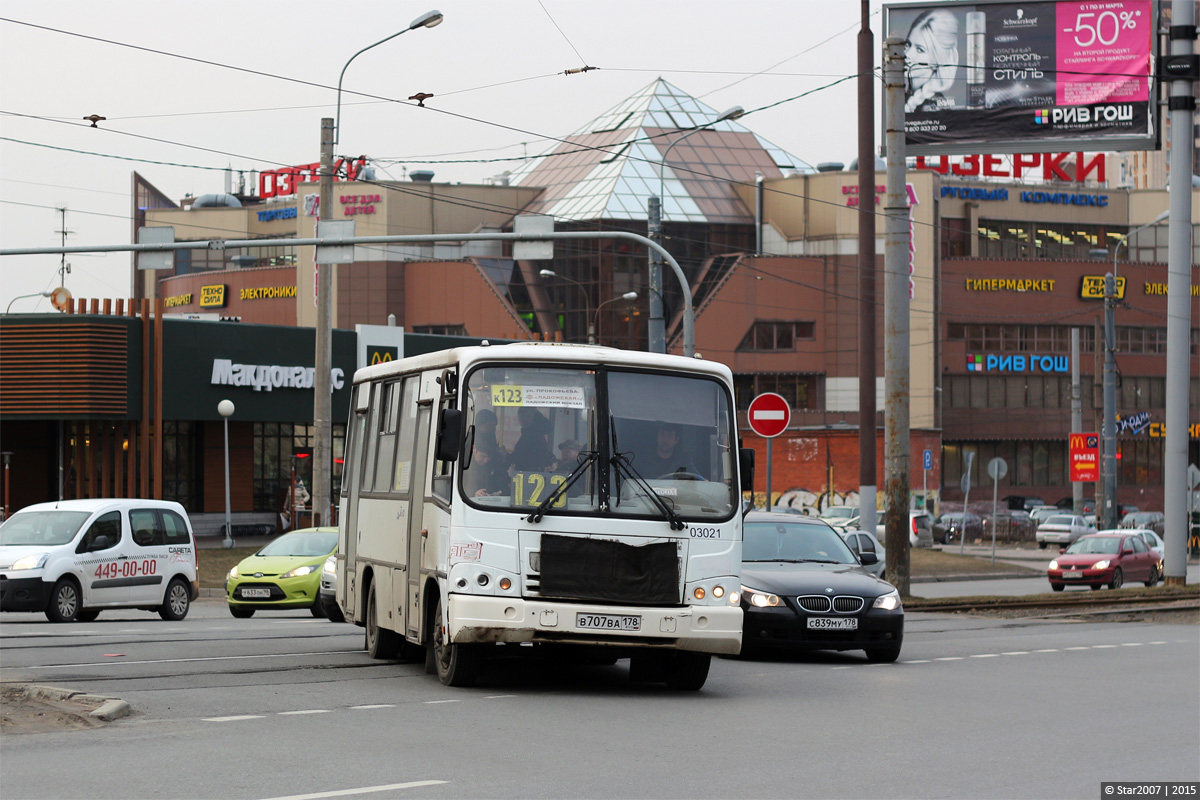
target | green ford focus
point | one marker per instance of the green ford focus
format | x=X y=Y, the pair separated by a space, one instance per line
x=286 y=574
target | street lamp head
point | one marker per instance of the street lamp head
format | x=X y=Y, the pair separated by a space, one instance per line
x=629 y=296
x=548 y=273
x=225 y=408
x=430 y=19
x=730 y=113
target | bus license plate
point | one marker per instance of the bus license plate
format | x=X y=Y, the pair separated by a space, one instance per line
x=609 y=622
x=827 y=624
x=255 y=594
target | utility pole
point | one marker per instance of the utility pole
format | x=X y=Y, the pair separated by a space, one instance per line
x=322 y=389
x=1076 y=416
x=895 y=321
x=1107 y=515
x=656 y=330
x=866 y=274
x=1182 y=107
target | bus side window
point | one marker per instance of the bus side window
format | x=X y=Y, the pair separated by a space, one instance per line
x=442 y=485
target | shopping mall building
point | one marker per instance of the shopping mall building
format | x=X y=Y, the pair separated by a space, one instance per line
x=1007 y=256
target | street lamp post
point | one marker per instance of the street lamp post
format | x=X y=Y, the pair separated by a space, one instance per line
x=626 y=296
x=657 y=325
x=1109 y=432
x=225 y=409
x=587 y=305
x=322 y=388
x=22 y=296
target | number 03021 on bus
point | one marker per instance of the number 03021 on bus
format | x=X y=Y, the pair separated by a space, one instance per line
x=552 y=495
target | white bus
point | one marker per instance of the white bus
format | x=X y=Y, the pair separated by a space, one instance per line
x=544 y=495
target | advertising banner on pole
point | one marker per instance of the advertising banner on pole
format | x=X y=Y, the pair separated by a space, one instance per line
x=1003 y=77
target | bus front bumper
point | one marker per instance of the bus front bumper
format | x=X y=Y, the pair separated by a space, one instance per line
x=705 y=629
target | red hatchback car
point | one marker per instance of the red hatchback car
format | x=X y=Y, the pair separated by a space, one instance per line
x=1100 y=558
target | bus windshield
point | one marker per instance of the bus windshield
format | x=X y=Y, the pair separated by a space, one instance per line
x=624 y=442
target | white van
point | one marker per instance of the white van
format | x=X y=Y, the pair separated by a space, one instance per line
x=74 y=558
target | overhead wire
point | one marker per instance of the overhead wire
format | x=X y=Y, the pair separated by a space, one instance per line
x=698 y=173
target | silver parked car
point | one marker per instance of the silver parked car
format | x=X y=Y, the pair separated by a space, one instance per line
x=920 y=529
x=863 y=542
x=1062 y=530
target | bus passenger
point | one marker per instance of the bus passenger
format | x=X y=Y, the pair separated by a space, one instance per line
x=532 y=451
x=488 y=470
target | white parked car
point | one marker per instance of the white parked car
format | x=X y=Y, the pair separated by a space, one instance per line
x=1152 y=539
x=863 y=542
x=74 y=558
x=1062 y=530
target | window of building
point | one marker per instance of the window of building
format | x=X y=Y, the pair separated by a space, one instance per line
x=799 y=389
x=277 y=447
x=1020 y=240
x=774 y=335
x=1040 y=339
x=441 y=330
x=181 y=468
x=955 y=241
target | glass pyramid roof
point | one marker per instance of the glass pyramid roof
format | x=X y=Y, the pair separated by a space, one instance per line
x=609 y=168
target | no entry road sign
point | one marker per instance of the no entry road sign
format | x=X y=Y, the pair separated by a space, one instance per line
x=769 y=415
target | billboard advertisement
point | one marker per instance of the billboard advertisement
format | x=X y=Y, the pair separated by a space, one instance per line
x=1003 y=77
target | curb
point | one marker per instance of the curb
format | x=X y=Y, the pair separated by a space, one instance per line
x=102 y=707
x=978 y=576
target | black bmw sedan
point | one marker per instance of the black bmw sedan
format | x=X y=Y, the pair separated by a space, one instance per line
x=803 y=589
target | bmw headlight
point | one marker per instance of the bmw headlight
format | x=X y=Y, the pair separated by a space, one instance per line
x=308 y=569
x=36 y=561
x=888 y=602
x=1102 y=564
x=760 y=599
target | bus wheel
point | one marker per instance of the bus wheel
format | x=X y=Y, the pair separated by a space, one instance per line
x=457 y=664
x=381 y=643
x=688 y=670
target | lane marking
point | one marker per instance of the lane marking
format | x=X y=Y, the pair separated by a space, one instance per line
x=1016 y=653
x=374 y=705
x=233 y=719
x=436 y=702
x=498 y=696
x=986 y=655
x=307 y=711
x=188 y=660
x=949 y=658
x=1077 y=648
x=1103 y=646
x=364 y=790
x=1049 y=650
x=1132 y=644
x=918 y=661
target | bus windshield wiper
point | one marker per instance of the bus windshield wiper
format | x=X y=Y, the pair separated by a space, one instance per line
x=574 y=475
x=625 y=466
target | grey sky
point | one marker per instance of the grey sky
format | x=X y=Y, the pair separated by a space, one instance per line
x=494 y=69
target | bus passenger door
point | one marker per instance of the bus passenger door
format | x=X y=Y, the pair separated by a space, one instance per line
x=416 y=519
